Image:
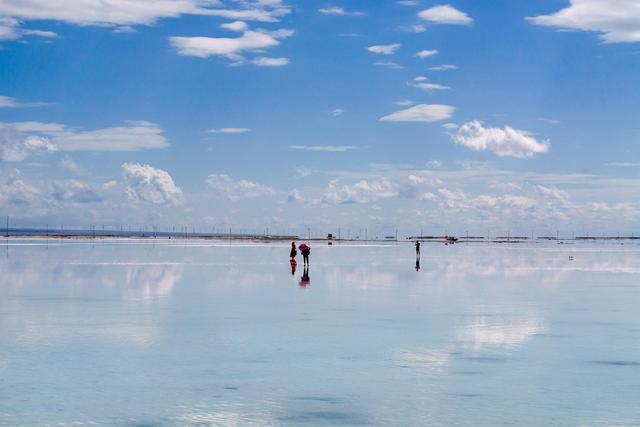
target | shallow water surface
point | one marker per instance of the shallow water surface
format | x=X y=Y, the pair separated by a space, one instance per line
x=211 y=333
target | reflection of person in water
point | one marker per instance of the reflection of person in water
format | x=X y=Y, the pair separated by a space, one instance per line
x=418 y=263
x=294 y=264
x=305 y=280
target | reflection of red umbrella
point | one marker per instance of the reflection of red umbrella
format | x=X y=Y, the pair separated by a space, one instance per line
x=304 y=247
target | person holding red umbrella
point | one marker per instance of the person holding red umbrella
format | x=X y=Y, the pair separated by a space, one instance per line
x=305 y=249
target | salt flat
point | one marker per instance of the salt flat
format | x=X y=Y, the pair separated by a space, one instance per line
x=142 y=332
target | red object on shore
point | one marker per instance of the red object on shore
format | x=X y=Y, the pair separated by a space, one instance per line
x=304 y=247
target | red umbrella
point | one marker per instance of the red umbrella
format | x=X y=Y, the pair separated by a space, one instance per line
x=304 y=247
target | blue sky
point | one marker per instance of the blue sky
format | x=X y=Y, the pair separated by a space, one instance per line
x=508 y=114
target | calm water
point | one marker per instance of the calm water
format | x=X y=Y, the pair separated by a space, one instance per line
x=136 y=333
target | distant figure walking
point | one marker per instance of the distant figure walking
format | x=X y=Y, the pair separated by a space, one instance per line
x=418 y=248
x=306 y=251
x=293 y=252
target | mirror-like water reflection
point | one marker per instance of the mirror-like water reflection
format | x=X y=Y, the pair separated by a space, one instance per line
x=211 y=333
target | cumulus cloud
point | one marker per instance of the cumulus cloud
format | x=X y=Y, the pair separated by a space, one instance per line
x=504 y=142
x=325 y=148
x=15 y=191
x=233 y=189
x=421 y=113
x=229 y=130
x=74 y=191
x=617 y=22
x=334 y=10
x=294 y=196
x=360 y=192
x=15 y=147
x=39 y=137
x=337 y=112
x=232 y=48
x=151 y=185
x=384 y=49
x=445 y=14
x=426 y=53
x=264 y=61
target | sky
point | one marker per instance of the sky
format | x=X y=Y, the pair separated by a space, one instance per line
x=445 y=117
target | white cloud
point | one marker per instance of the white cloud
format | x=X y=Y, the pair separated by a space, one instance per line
x=15 y=191
x=264 y=61
x=135 y=136
x=74 y=191
x=232 y=48
x=125 y=13
x=426 y=53
x=10 y=102
x=507 y=142
x=384 y=49
x=334 y=10
x=407 y=2
x=624 y=164
x=549 y=121
x=450 y=126
x=434 y=164
x=429 y=87
x=359 y=192
x=445 y=14
x=295 y=196
x=616 y=21
x=415 y=28
x=10 y=30
x=389 y=64
x=404 y=103
x=303 y=171
x=444 y=67
x=237 y=189
x=149 y=184
x=337 y=112
x=15 y=147
x=324 y=148
x=235 y=26
x=229 y=130
x=421 y=113
x=68 y=164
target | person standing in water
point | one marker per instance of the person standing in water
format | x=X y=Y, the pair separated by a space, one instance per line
x=306 y=251
x=417 y=248
x=293 y=252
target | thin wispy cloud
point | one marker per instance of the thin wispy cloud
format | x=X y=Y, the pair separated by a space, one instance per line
x=335 y=10
x=325 y=148
x=264 y=61
x=426 y=113
x=230 y=130
x=443 y=67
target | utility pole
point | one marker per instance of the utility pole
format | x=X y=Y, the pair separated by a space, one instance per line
x=7 y=229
